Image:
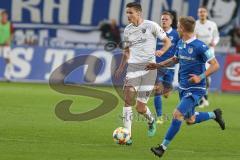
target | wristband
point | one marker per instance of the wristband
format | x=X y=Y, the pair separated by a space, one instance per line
x=202 y=76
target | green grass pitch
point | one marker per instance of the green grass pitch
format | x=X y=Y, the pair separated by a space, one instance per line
x=30 y=130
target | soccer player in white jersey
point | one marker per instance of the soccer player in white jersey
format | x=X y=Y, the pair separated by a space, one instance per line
x=141 y=36
x=206 y=31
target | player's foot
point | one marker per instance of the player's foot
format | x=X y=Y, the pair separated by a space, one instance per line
x=219 y=119
x=129 y=142
x=158 y=151
x=152 y=127
x=160 y=120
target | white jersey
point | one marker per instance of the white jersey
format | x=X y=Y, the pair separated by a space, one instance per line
x=207 y=32
x=143 y=39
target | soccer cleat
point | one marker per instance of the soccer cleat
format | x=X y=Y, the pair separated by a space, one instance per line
x=152 y=127
x=160 y=120
x=129 y=142
x=219 y=119
x=158 y=151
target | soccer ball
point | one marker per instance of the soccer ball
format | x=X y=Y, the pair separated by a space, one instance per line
x=121 y=135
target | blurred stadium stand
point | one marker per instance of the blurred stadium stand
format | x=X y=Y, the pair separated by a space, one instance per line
x=49 y=32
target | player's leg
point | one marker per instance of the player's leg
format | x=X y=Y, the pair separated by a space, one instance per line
x=158 y=101
x=186 y=104
x=130 y=89
x=129 y=100
x=166 y=88
x=199 y=117
x=144 y=93
x=158 y=92
x=131 y=86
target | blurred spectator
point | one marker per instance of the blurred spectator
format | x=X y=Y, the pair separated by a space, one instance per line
x=110 y=31
x=6 y=32
x=235 y=38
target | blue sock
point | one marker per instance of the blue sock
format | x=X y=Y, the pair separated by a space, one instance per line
x=204 y=116
x=172 y=131
x=158 y=104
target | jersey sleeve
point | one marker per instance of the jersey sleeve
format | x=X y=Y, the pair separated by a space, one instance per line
x=158 y=31
x=206 y=53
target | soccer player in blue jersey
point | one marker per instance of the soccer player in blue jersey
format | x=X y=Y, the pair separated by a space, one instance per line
x=165 y=76
x=191 y=54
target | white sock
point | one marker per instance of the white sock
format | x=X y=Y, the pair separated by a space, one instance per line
x=127 y=118
x=148 y=115
x=8 y=69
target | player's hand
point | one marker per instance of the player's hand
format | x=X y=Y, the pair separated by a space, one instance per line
x=194 y=78
x=151 y=66
x=212 y=44
x=118 y=72
x=159 y=53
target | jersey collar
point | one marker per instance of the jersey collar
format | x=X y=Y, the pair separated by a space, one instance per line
x=169 y=31
x=191 y=40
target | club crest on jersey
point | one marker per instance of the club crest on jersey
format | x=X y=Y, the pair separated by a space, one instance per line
x=171 y=38
x=143 y=30
x=190 y=50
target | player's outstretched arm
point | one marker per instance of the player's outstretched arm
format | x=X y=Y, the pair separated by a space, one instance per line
x=167 y=63
x=166 y=45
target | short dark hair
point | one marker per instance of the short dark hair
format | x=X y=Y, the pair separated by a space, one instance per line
x=188 y=23
x=204 y=7
x=168 y=13
x=4 y=12
x=137 y=6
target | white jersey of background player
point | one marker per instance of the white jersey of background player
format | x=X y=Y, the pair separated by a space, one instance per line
x=142 y=37
x=206 y=31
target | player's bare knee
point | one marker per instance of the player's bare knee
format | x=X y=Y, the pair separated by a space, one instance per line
x=129 y=96
x=141 y=107
x=178 y=115
x=129 y=102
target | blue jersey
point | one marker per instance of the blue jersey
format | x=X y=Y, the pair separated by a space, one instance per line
x=192 y=56
x=174 y=37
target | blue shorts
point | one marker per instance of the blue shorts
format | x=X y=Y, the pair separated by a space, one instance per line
x=188 y=101
x=165 y=76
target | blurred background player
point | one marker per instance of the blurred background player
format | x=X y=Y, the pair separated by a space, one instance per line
x=191 y=54
x=206 y=31
x=143 y=35
x=165 y=76
x=110 y=31
x=6 y=35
